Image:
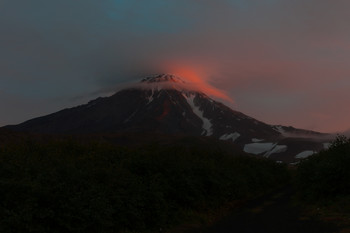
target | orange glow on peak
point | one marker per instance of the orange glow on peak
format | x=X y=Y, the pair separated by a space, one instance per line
x=188 y=74
x=198 y=79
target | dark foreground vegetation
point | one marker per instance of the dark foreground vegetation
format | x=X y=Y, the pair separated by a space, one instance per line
x=62 y=185
x=323 y=183
x=326 y=176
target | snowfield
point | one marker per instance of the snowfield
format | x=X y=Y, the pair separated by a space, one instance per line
x=326 y=145
x=268 y=148
x=257 y=140
x=276 y=149
x=305 y=154
x=207 y=125
x=258 y=148
x=279 y=129
x=232 y=136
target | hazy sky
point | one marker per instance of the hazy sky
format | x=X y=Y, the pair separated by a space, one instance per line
x=281 y=61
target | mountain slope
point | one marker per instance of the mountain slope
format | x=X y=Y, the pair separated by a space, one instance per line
x=167 y=104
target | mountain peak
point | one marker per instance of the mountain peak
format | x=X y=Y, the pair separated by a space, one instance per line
x=161 y=78
x=166 y=104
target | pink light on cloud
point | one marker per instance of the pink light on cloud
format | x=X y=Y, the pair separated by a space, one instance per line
x=283 y=62
x=194 y=79
x=198 y=78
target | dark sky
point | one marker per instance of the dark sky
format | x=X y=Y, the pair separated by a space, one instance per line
x=281 y=61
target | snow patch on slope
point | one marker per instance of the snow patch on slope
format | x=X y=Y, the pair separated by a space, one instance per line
x=258 y=148
x=268 y=148
x=326 y=145
x=150 y=98
x=232 y=136
x=279 y=128
x=207 y=125
x=276 y=149
x=305 y=154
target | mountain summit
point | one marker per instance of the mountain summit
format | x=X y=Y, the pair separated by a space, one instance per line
x=165 y=82
x=163 y=78
x=169 y=105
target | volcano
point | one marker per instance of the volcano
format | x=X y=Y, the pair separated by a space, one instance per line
x=167 y=104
